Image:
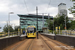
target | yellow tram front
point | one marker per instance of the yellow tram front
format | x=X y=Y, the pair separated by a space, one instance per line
x=31 y=31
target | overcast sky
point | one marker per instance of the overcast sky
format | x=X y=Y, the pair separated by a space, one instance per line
x=19 y=7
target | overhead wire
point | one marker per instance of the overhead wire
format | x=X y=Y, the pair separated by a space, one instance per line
x=46 y=9
x=26 y=6
x=48 y=5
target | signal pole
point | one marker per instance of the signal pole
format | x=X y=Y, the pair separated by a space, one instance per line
x=65 y=24
x=43 y=18
x=37 y=20
x=48 y=23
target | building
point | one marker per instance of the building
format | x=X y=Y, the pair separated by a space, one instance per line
x=62 y=9
x=31 y=19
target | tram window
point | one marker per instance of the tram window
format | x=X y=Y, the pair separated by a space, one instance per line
x=27 y=31
x=30 y=32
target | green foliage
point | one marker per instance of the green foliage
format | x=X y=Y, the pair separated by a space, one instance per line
x=50 y=30
x=55 y=32
x=0 y=27
x=72 y=9
x=49 y=24
x=5 y=28
x=72 y=25
x=59 y=21
x=23 y=28
x=61 y=25
x=72 y=0
x=16 y=28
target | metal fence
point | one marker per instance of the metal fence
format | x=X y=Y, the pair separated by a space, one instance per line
x=63 y=32
x=4 y=34
x=68 y=32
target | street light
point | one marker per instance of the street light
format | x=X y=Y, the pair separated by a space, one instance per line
x=65 y=24
x=48 y=23
x=9 y=21
x=37 y=20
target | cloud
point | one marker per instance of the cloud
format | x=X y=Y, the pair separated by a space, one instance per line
x=12 y=23
x=68 y=13
x=19 y=7
x=3 y=22
x=3 y=7
x=51 y=9
x=16 y=22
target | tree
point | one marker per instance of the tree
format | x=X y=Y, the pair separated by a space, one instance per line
x=72 y=0
x=0 y=27
x=16 y=28
x=5 y=28
x=72 y=9
x=49 y=23
x=61 y=26
x=72 y=25
x=59 y=21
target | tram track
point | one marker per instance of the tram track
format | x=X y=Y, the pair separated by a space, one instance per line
x=42 y=43
x=41 y=46
x=19 y=44
x=57 y=44
x=14 y=46
x=26 y=45
x=49 y=45
x=34 y=46
x=30 y=44
x=45 y=42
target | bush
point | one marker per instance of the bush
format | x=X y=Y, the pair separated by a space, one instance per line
x=50 y=31
x=55 y=32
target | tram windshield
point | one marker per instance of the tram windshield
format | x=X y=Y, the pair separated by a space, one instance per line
x=30 y=30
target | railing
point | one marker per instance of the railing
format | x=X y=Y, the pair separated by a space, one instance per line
x=4 y=34
x=68 y=32
x=62 y=32
x=65 y=32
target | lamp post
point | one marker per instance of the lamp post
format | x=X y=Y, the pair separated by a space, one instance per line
x=53 y=25
x=43 y=18
x=37 y=20
x=9 y=22
x=48 y=23
x=65 y=24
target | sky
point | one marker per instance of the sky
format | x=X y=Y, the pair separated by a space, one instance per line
x=28 y=7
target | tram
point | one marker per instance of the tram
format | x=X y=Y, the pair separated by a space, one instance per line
x=31 y=31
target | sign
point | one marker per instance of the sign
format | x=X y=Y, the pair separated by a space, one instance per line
x=56 y=28
x=18 y=29
x=21 y=30
x=65 y=27
x=59 y=27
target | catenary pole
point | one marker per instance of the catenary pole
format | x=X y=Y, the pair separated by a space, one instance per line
x=37 y=20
